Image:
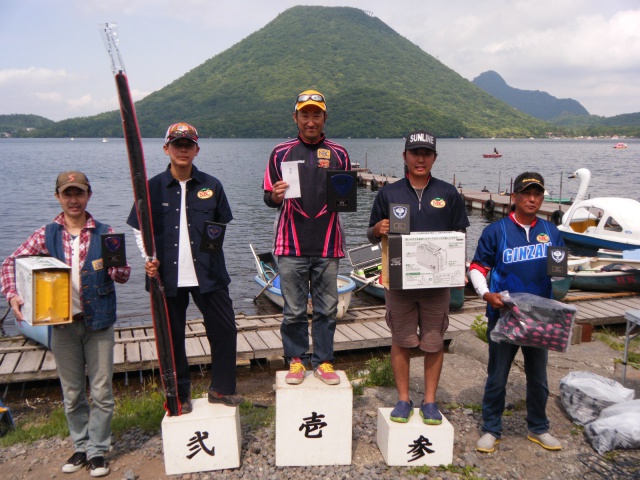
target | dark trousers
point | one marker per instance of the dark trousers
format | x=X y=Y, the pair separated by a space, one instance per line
x=219 y=323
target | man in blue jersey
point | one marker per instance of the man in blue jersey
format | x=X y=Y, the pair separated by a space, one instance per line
x=418 y=318
x=308 y=239
x=515 y=269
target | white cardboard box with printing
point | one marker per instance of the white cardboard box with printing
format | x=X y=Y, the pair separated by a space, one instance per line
x=423 y=260
x=44 y=284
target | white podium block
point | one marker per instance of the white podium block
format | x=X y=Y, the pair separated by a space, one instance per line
x=313 y=422
x=414 y=443
x=208 y=438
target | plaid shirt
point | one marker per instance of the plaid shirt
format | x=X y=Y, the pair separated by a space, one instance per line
x=35 y=245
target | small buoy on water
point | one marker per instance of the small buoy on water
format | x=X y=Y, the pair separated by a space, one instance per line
x=489 y=206
x=556 y=217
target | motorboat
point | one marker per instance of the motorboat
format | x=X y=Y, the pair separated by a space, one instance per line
x=620 y=145
x=602 y=222
x=366 y=261
x=104 y=140
x=269 y=281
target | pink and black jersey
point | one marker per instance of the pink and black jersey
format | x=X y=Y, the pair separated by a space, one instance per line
x=303 y=226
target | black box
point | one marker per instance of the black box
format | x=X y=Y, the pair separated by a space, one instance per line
x=399 y=218
x=212 y=237
x=113 y=250
x=342 y=191
x=557 y=261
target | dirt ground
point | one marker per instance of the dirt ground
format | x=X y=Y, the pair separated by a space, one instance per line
x=138 y=455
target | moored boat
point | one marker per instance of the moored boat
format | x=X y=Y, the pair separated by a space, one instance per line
x=269 y=281
x=603 y=222
x=367 y=269
x=620 y=145
x=604 y=274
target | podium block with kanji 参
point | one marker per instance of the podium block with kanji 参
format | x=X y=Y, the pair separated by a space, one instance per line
x=313 y=422
x=414 y=443
x=208 y=438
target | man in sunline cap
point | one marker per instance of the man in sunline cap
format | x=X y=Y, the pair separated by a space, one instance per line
x=309 y=240
x=522 y=229
x=418 y=317
x=182 y=199
x=83 y=348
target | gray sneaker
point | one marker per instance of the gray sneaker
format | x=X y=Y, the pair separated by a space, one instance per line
x=487 y=443
x=546 y=440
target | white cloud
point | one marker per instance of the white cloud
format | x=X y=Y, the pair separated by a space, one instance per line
x=34 y=76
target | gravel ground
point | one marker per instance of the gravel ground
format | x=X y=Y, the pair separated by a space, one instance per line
x=136 y=455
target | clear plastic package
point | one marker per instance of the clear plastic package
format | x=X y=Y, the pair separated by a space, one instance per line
x=585 y=394
x=534 y=321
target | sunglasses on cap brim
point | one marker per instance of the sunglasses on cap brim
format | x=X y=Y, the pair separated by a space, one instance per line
x=305 y=97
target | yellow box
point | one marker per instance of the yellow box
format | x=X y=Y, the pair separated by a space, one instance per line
x=44 y=284
x=423 y=260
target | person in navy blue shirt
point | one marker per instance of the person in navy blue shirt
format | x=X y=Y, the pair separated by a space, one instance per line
x=418 y=318
x=182 y=199
x=514 y=251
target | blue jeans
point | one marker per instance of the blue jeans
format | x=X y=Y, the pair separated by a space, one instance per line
x=501 y=356
x=298 y=276
x=75 y=347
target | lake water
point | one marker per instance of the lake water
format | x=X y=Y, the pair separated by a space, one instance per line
x=30 y=166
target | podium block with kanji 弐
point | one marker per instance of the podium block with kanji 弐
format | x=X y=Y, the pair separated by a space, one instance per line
x=414 y=443
x=313 y=422
x=208 y=438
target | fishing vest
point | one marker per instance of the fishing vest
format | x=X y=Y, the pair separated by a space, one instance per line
x=98 y=291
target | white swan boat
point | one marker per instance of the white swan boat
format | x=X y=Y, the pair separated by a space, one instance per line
x=602 y=222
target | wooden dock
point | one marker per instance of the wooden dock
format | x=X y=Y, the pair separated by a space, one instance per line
x=485 y=201
x=23 y=360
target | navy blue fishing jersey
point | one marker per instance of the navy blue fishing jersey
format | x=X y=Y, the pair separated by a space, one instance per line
x=441 y=208
x=205 y=201
x=517 y=263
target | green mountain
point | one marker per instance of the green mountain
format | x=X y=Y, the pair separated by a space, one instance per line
x=532 y=102
x=377 y=84
x=11 y=124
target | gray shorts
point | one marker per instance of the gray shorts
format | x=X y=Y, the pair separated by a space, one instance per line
x=418 y=318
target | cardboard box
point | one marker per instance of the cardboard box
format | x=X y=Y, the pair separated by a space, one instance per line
x=423 y=260
x=44 y=284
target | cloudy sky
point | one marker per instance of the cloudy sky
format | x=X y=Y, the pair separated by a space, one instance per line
x=53 y=62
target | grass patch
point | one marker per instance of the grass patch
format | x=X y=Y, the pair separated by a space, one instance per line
x=415 y=471
x=617 y=343
x=466 y=472
x=479 y=326
x=380 y=373
x=475 y=407
x=35 y=426
x=257 y=416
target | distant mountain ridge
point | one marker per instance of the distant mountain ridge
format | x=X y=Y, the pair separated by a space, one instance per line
x=532 y=102
x=377 y=84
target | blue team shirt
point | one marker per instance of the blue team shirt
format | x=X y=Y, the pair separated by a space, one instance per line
x=517 y=264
